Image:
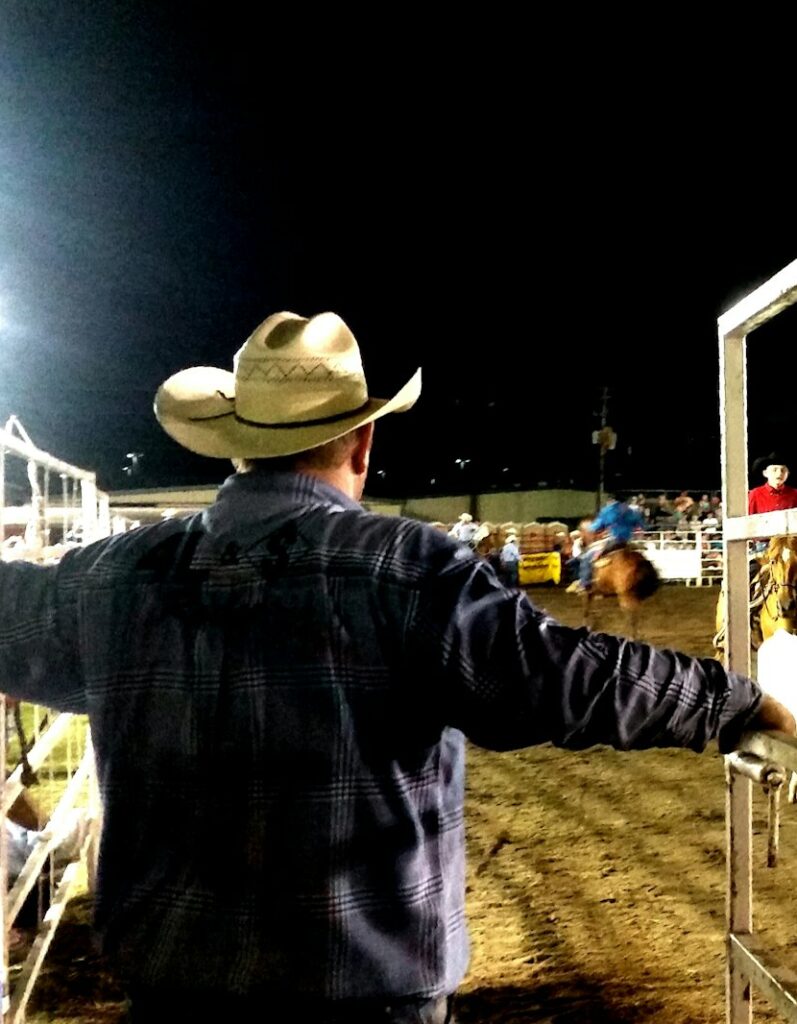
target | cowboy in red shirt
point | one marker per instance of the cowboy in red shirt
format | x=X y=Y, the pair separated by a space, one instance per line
x=774 y=495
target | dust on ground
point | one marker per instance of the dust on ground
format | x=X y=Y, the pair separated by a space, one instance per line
x=596 y=888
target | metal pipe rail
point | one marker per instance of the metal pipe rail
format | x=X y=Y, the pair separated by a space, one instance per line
x=11 y=443
x=763 y=757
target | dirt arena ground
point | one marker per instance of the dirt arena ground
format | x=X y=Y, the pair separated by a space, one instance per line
x=597 y=879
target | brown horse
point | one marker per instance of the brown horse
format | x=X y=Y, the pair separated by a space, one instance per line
x=626 y=574
x=773 y=594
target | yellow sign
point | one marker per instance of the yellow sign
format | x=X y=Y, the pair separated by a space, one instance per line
x=542 y=568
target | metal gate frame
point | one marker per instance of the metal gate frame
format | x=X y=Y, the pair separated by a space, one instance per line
x=747 y=964
x=95 y=522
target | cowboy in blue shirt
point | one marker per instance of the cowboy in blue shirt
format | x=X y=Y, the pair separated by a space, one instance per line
x=619 y=522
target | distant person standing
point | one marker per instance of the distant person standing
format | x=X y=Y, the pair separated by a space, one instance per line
x=510 y=561
x=580 y=541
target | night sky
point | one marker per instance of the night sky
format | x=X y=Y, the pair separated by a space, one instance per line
x=163 y=190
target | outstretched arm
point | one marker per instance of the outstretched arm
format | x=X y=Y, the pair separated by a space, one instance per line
x=511 y=676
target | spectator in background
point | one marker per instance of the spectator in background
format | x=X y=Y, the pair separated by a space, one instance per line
x=684 y=505
x=662 y=509
x=465 y=530
x=644 y=507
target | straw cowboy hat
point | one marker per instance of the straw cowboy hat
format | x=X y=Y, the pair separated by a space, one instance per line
x=297 y=383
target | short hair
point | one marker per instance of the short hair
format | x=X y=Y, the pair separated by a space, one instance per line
x=325 y=456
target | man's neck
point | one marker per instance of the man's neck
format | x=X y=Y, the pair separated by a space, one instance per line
x=339 y=477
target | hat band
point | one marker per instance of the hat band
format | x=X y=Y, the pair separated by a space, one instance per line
x=282 y=426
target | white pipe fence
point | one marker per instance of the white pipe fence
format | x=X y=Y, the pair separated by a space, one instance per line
x=48 y=755
x=692 y=555
x=749 y=964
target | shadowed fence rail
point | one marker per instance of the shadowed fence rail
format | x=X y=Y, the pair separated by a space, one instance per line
x=46 y=507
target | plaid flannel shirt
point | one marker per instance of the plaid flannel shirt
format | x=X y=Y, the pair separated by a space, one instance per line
x=279 y=690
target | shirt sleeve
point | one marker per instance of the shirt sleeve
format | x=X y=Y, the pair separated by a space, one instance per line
x=39 y=637
x=512 y=676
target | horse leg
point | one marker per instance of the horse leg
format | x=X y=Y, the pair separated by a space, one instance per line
x=630 y=607
x=586 y=597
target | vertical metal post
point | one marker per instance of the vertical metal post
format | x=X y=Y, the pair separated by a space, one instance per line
x=2 y=493
x=4 y=924
x=64 y=508
x=95 y=814
x=773 y=790
x=739 y=901
x=88 y=494
x=602 y=449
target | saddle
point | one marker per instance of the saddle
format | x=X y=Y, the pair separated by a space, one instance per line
x=603 y=557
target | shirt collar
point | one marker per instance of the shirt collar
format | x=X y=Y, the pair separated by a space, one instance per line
x=247 y=497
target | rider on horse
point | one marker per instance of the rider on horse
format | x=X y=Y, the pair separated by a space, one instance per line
x=772 y=496
x=618 y=521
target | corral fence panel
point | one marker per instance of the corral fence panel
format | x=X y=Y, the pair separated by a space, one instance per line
x=763 y=757
x=48 y=792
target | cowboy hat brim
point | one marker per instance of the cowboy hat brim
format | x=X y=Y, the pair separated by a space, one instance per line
x=196 y=407
x=773 y=459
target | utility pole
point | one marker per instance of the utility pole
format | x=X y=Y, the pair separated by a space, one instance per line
x=602 y=445
x=605 y=438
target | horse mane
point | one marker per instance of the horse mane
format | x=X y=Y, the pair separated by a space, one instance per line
x=778 y=545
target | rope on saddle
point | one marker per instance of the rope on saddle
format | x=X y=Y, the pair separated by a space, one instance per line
x=29 y=776
x=758 y=594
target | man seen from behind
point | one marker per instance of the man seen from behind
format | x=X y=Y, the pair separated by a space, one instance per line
x=300 y=675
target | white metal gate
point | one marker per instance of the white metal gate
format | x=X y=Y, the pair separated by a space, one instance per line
x=747 y=964
x=46 y=506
